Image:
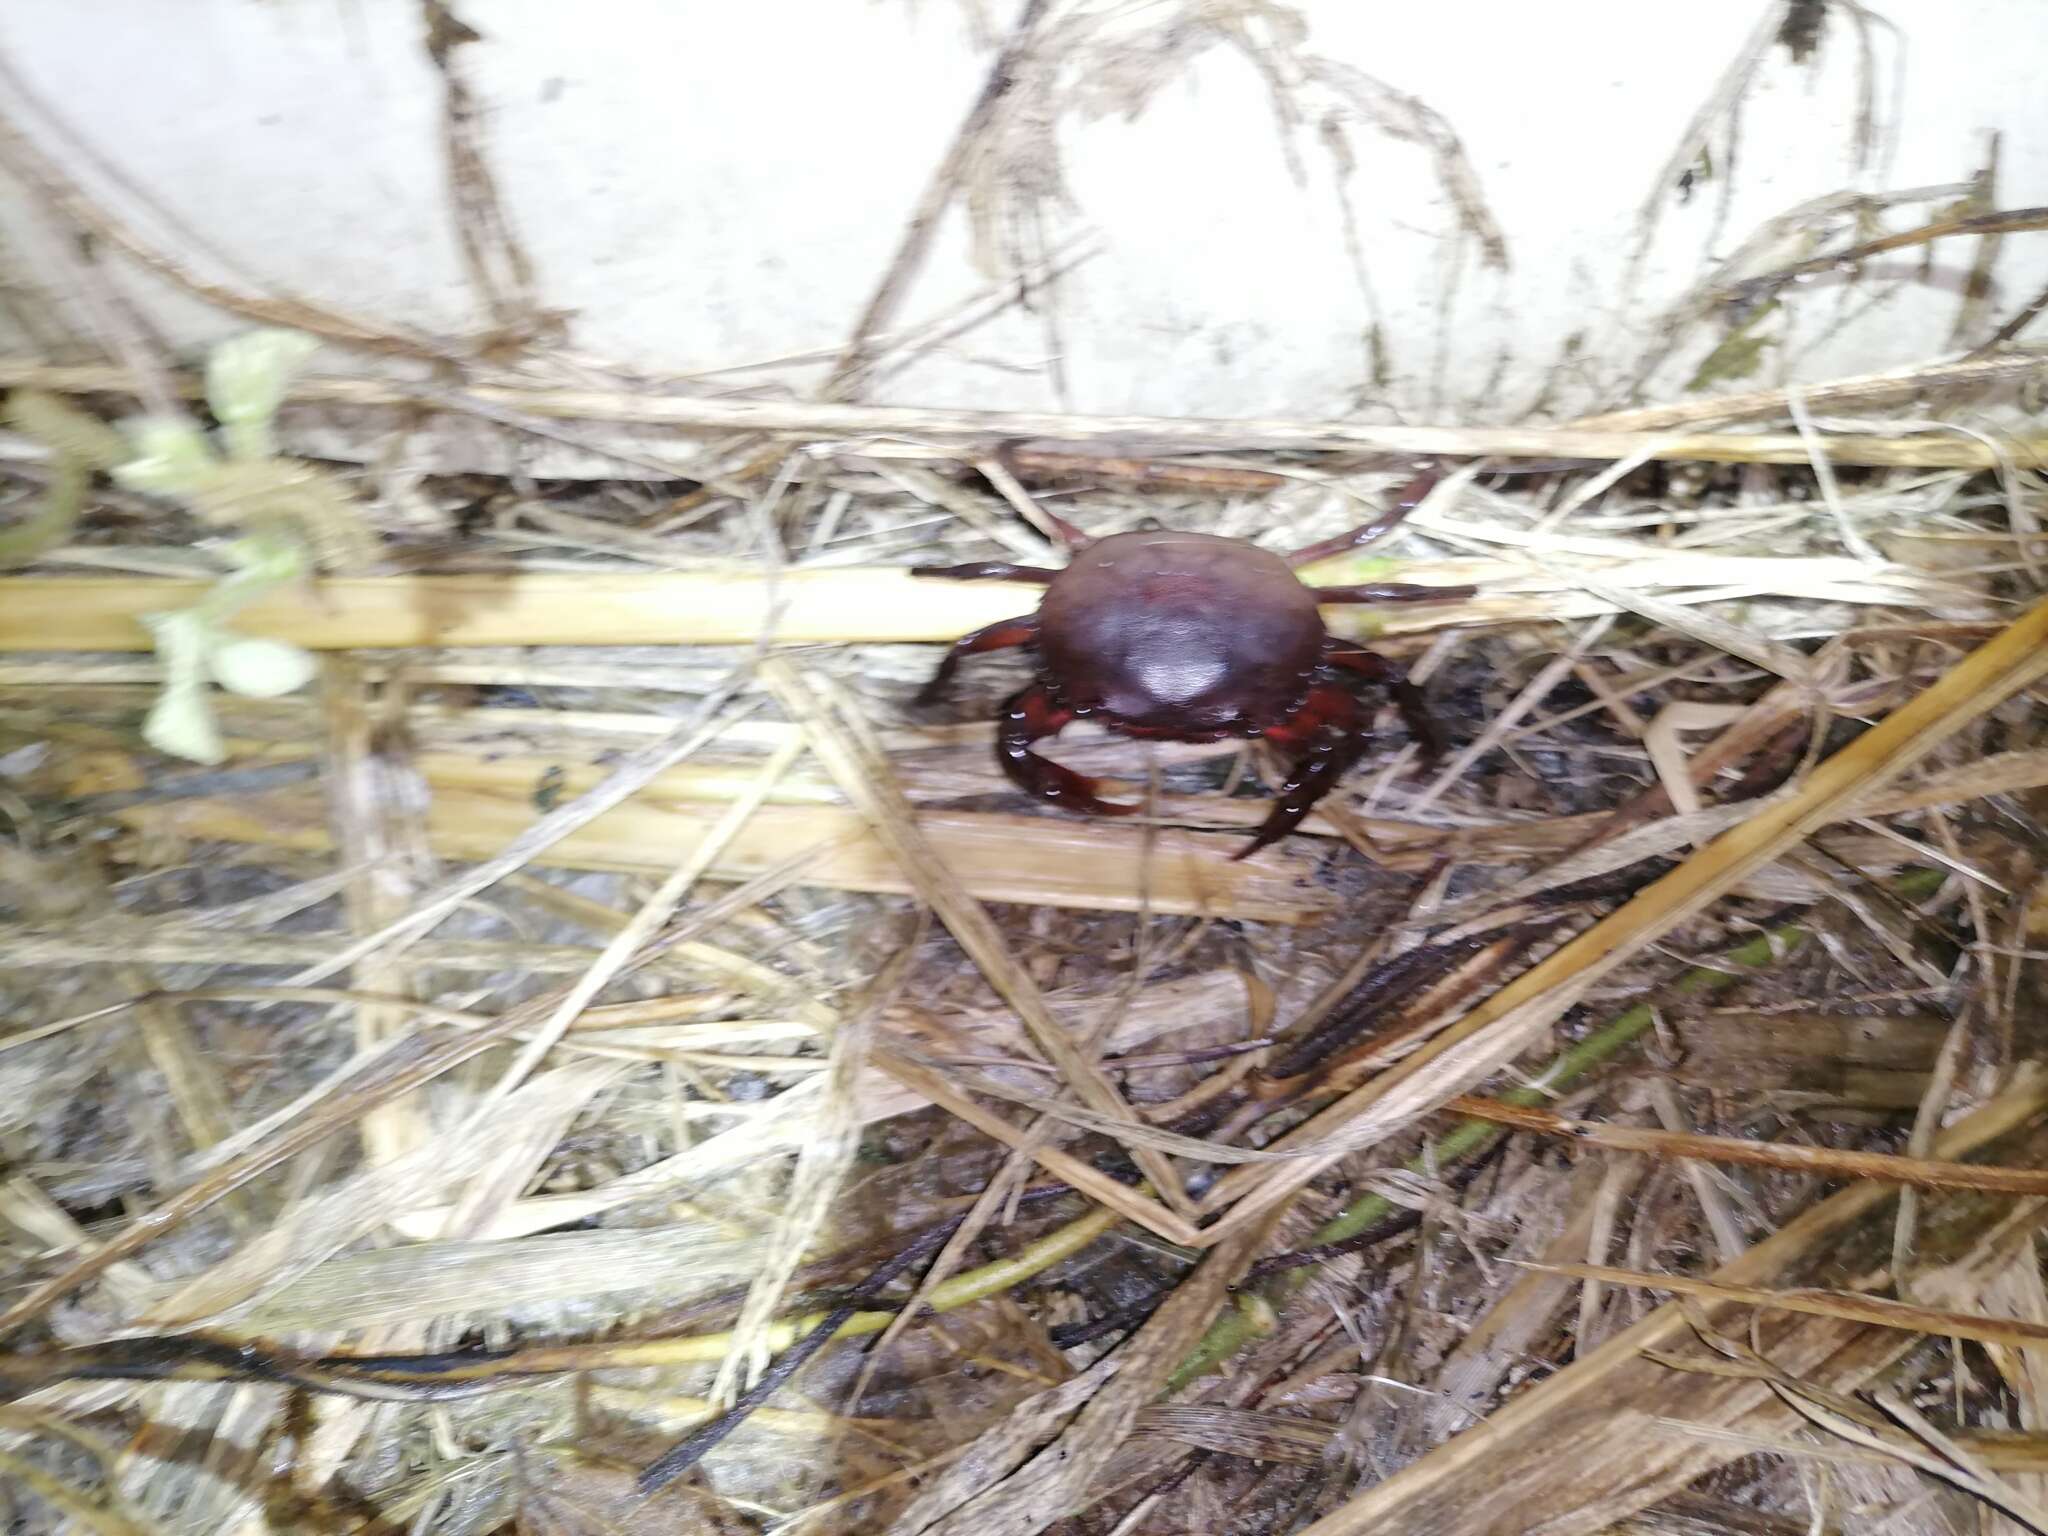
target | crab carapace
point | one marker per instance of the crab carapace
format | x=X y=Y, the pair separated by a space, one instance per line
x=1192 y=637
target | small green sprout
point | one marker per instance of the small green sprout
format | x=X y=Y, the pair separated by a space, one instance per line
x=291 y=520
x=197 y=647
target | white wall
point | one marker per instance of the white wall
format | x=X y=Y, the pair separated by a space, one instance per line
x=709 y=182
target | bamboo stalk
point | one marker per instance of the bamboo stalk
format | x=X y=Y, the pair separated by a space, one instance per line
x=982 y=429
x=869 y=605
x=1038 y=860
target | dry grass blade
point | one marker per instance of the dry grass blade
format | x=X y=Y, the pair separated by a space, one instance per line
x=417 y=1282
x=979 y=1464
x=168 y=945
x=941 y=190
x=1964 y=1468
x=416 y=1377
x=1139 y=1135
x=1824 y=477
x=1528 y=1311
x=398 y=1069
x=1948 y=1461
x=599 y=607
x=869 y=604
x=775 y=1130
x=375 y=801
x=1878 y=1311
x=1829 y=1162
x=1501 y=1027
x=1238 y=1431
x=369 y=1083
x=88 y=1514
x=864 y=777
x=1001 y=1191
x=1867 y=389
x=780 y=1126
x=1759 y=650
x=1537 y=690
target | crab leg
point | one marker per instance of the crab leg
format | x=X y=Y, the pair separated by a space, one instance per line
x=1330 y=730
x=1406 y=500
x=1073 y=537
x=1031 y=715
x=1001 y=635
x=1393 y=592
x=987 y=570
x=1407 y=697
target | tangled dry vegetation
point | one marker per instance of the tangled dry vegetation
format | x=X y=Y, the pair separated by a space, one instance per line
x=502 y=1073
x=599 y=1060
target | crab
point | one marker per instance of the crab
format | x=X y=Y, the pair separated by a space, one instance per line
x=1193 y=637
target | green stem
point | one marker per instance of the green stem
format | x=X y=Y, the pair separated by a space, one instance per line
x=22 y=543
x=1468 y=1138
x=78 y=444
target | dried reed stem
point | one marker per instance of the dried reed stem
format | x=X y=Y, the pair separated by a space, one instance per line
x=976 y=431
x=874 y=605
x=1036 y=860
x=1860 y=391
x=1877 y=1311
x=863 y=605
x=1827 y=1162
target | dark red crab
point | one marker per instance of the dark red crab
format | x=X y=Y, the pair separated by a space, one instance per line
x=1191 y=637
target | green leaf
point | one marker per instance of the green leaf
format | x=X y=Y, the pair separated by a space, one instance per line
x=245 y=385
x=260 y=668
x=181 y=723
x=22 y=542
x=170 y=458
x=276 y=506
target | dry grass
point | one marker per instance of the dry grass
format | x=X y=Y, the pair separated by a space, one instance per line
x=704 y=874
x=574 y=1028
